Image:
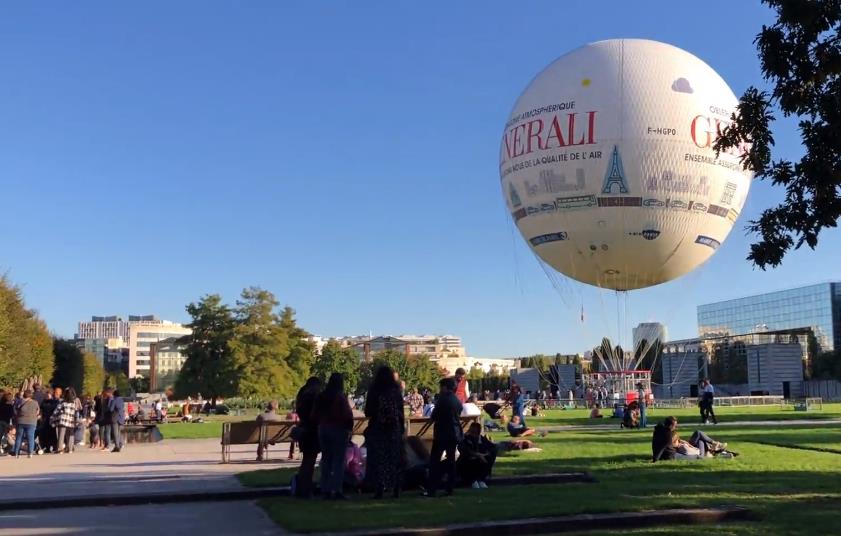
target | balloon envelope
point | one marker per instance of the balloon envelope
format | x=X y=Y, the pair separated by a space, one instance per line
x=607 y=166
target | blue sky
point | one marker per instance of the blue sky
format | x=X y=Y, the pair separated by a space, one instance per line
x=342 y=155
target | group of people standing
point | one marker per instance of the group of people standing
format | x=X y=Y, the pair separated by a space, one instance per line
x=54 y=420
x=326 y=422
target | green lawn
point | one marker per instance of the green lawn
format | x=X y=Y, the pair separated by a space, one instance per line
x=724 y=414
x=201 y=430
x=794 y=491
x=210 y=428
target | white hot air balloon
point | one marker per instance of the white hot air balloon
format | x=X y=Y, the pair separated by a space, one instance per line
x=607 y=166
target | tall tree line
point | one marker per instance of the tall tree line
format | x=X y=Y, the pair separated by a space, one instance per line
x=252 y=349
x=26 y=346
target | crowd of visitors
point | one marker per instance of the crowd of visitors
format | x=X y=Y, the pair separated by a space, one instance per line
x=56 y=420
x=388 y=461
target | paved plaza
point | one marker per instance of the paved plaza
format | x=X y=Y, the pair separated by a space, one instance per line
x=211 y=518
x=170 y=466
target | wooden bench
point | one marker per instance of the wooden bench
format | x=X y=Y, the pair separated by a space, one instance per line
x=271 y=433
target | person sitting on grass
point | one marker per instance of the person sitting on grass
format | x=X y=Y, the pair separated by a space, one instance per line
x=354 y=467
x=416 y=467
x=666 y=443
x=517 y=429
x=596 y=412
x=631 y=417
x=477 y=455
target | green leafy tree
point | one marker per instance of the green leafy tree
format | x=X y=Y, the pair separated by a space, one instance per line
x=421 y=372
x=209 y=368
x=261 y=347
x=139 y=384
x=827 y=365
x=334 y=358
x=167 y=381
x=301 y=350
x=93 y=375
x=69 y=365
x=416 y=371
x=26 y=346
x=800 y=56
x=118 y=381
x=475 y=373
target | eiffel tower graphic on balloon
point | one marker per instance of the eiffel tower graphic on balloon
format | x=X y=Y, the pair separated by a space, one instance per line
x=615 y=175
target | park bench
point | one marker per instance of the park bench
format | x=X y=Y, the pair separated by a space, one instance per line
x=272 y=433
x=141 y=433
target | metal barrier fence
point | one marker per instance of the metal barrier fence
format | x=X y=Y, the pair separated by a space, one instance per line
x=722 y=401
x=669 y=403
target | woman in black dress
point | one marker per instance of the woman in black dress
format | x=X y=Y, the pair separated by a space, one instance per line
x=384 y=435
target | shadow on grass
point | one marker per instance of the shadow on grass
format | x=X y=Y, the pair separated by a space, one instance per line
x=632 y=485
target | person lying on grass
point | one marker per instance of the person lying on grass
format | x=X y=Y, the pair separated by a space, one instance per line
x=517 y=429
x=666 y=443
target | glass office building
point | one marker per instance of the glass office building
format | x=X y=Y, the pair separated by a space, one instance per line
x=817 y=307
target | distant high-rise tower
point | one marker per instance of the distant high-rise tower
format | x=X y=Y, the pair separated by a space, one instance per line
x=650 y=332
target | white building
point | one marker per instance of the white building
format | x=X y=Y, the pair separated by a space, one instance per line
x=142 y=334
x=450 y=364
x=435 y=346
x=103 y=327
x=136 y=334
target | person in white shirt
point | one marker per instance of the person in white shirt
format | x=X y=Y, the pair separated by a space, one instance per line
x=470 y=409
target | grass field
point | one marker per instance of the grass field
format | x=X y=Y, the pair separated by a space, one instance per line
x=557 y=417
x=794 y=491
x=212 y=428
x=201 y=430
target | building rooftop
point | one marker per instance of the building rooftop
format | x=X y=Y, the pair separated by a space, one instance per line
x=776 y=291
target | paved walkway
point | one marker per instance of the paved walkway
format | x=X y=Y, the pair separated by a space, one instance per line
x=170 y=466
x=174 y=465
x=204 y=519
